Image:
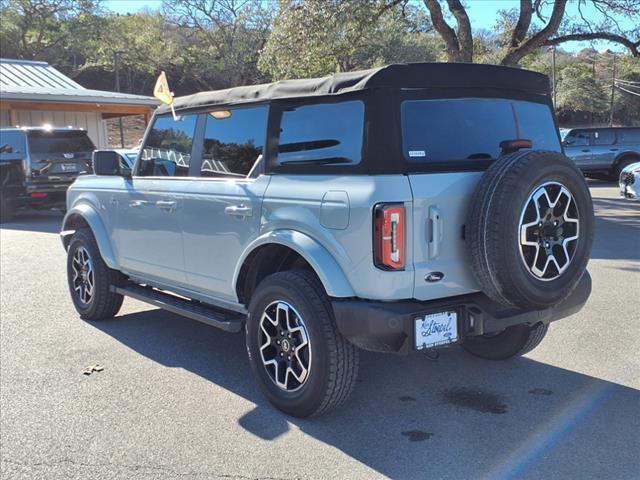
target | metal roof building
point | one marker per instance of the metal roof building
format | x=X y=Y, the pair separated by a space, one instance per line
x=35 y=93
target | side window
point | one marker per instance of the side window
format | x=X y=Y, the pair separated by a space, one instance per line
x=167 y=151
x=323 y=133
x=629 y=135
x=578 y=138
x=12 y=143
x=233 y=142
x=603 y=137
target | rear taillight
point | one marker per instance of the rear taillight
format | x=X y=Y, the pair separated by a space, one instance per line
x=389 y=236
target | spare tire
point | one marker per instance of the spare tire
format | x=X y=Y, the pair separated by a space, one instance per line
x=529 y=229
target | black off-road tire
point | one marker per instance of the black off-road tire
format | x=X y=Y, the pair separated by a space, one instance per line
x=492 y=229
x=512 y=342
x=103 y=303
x=334 y=361
x=623 y=163
x=7 y=209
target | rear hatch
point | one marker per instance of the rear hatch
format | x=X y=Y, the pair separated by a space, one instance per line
x=58 y=156
x=448 y=143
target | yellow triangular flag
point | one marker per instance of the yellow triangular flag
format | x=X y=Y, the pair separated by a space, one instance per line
x=161 y=90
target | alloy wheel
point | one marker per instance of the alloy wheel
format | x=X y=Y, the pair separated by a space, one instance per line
x=285 y=348
x=549 y=231
x=83 y=278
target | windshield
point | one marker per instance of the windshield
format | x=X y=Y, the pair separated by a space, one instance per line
x=56 y=141
x=468 y=129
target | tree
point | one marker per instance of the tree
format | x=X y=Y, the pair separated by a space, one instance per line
x=314 y=38
x=223 y=38
x=578 y=90
x=34 y=28
x=524 y=37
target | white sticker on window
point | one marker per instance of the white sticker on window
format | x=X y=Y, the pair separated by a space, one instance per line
x=417 y=153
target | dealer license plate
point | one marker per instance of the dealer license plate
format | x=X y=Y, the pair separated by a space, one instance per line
x=69 y=167
x=436 y=329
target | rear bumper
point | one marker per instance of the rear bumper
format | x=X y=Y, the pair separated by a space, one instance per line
x=42 y=195
x=389 y=326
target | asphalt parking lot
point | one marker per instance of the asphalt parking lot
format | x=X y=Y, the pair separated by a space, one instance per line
x=176 y=398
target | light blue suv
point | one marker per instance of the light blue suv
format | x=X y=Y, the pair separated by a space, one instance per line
x=398 y=209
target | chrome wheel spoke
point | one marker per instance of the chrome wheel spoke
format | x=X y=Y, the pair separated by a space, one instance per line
x=548 y=231
x=83 y=278
x=285 y=349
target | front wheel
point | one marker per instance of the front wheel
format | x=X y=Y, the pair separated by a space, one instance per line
x=511 y=342
x=90 y=279
x=301 y=362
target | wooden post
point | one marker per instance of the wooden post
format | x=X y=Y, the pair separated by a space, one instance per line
x=13 y=118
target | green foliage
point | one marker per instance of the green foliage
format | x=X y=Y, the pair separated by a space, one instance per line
x=579 y=90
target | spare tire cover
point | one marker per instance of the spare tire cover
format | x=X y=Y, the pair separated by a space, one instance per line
x=529 y=229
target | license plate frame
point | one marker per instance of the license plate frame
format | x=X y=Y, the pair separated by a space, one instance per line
x=435 y=329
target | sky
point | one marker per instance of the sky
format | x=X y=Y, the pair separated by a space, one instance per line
x=482 y=13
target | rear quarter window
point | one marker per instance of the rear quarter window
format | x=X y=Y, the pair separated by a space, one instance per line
x=468 y=129
x=12 y=143
x=629 y=135
x=327 y=133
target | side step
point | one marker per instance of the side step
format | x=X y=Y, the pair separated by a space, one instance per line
x=227 y=321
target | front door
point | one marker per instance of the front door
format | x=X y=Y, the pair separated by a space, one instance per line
x=148 y=231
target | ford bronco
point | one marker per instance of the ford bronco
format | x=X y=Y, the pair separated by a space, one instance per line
x=398 y=209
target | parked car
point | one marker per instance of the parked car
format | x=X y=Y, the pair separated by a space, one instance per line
x=397 y=209
x=38 y=164
x=127 y=157
x=605 y=151
x=629 y=181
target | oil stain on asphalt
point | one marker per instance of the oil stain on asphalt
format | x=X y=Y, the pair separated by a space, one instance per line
x=475 y=399
x=417 y=435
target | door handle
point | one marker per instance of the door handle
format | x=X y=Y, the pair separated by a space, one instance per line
x=586 y=150
x=137 y=203
x=113 y=200
x=435 y=226
x=613 y=149
x=239 y=210
x=167 y=206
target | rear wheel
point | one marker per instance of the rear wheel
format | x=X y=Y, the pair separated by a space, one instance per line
x=512 y=342
x=301 y=362
x=90 y=279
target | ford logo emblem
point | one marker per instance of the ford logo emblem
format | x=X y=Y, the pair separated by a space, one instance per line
x=434 y=277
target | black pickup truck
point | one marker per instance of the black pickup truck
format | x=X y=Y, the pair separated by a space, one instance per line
x=37 y=165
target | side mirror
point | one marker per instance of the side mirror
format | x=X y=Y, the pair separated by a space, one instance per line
x=107 y=162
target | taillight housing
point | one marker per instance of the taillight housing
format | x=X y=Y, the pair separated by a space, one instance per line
x=389 y=248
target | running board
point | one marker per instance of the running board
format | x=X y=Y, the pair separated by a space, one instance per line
x=227 y=321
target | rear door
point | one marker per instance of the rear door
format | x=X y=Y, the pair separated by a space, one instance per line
x=57 y=157
x=603 y=148
x=448 y=143
x=222 y=209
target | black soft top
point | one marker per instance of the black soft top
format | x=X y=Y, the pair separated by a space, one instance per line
x=399 y=76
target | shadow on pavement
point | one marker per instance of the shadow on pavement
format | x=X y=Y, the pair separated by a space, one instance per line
x=459 y=417
x=618 y=224
x=42 y=222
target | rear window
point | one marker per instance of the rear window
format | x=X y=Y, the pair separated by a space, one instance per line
x=327 y=133
x=59 y=142
x=468 y=129
x=629 y=135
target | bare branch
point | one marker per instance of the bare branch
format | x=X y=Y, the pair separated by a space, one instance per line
x=524 y=22
x=633 y=47
x=447 y=33
x=514 y=55
x=465 y=38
